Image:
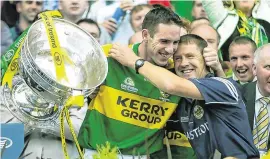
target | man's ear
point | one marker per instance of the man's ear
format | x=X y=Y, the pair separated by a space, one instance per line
x=254 y=69
x=19 y=7
x=145 y=34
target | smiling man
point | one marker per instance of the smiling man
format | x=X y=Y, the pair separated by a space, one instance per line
x=212 y=114
x=241 y=54
x=27 y=10
x=128 y=111
x=72 y=10
x=257 y=96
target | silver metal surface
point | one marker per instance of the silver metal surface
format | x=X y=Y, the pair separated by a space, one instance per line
x=36 y=89
x=90 y=64
x=28 y=107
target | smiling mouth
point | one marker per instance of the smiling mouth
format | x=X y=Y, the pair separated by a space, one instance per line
x=187 y=71
x=165 y=55
x=241 y=71
x=74 y=8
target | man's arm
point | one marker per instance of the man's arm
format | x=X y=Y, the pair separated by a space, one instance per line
x=169 y=82
x=160 y=77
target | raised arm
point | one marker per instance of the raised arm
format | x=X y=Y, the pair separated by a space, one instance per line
x=160 y=77
x=215 y=11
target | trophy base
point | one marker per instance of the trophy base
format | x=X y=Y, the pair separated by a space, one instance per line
x=30 y=108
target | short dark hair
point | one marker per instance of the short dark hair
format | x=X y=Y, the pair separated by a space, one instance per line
x=193 y=39
x=160 y=15
x=89 y=21
x=243 y=40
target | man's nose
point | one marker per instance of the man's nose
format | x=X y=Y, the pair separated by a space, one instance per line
x=239 y=62
x=171 y=48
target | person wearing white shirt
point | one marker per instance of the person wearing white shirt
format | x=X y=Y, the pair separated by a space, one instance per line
x=256 y=96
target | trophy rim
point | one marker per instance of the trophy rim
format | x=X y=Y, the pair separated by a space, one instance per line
x=58 y=83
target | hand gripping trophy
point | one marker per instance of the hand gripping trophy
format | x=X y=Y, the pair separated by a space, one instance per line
x=56 y=65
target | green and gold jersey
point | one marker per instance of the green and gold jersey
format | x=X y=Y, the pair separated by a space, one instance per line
x=128 y=112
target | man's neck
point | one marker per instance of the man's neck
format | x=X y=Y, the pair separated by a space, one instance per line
x=23 y=24
x=73 y=19
x=248 y=13
x=142 y=52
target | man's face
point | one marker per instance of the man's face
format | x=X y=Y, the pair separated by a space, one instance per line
x=197 y=10
x=262 y=70
x=244 y=5
x=189 y=62
x=208 y=34
x=91 y=29
x=198 y=22
x=137 y=19
x=163 y=44
x=241 y=60
x=29 y=9
x=73 y=7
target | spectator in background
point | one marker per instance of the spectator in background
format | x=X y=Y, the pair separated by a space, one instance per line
x=72 y=10
x=256 y=96
x=9 y=13
x=27 y=10
x=236 y=18
x=198 y=10
x=91 y=27
x=210 y=53
x=6 y=39
x=199 y=21
x=137 y=15
x=241 y=54
x=120 y=31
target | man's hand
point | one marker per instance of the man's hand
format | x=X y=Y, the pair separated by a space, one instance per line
x=211 y=59
x=126 y=5
x=124 y=55
x=110 y=25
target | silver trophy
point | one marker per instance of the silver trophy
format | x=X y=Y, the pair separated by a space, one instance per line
x=36 y=90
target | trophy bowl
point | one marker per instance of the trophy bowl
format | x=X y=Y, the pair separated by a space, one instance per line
x=89 y=68
x=37 y=93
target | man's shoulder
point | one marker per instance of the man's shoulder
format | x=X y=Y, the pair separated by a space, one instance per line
x=249 y=86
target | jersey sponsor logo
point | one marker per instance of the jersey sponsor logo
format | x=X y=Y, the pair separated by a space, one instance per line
x=197 y=132
x=129 y=85
x=198 y=112
x=131 y=108
x=178 y=139
x=164 y=96
x=142 y=111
